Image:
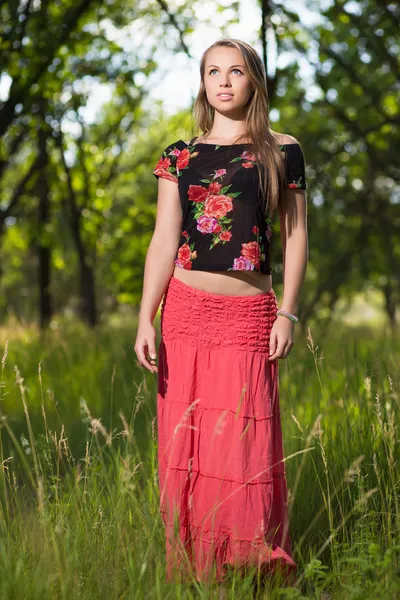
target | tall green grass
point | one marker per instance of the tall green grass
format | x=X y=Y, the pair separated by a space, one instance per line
x=78 y=485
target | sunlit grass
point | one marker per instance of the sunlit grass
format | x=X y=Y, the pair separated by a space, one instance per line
x=78 y=485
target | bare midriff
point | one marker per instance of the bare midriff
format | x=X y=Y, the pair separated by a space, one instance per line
x=230 y=283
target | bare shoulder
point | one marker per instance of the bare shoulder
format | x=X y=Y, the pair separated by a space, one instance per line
x=284 y=138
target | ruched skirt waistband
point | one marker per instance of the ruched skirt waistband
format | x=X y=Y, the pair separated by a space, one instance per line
x=207 y=319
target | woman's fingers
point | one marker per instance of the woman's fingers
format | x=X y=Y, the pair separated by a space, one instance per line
x=153 y=356
x=279 y=350
x=141 y=352
x=272 y=342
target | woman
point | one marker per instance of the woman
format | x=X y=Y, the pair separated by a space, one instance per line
x=223 y=494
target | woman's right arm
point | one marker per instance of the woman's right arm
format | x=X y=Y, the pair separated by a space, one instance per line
x=159 y=266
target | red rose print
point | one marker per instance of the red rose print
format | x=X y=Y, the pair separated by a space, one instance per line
x=164 y=163
x=293 y=185
x=197 y=193
x=217 y=206
x=162 y=170
x=184 y=253
x=225 y=236
x=168 y=175
x=214 y=187
x=210 y=208
x=255 y=230
x=247 y=165
x=183 y=159
x=251 y=251
x=248 y=155
x=171 y=177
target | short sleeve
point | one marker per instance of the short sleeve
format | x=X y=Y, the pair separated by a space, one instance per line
x=168 y=165
x=295 y=167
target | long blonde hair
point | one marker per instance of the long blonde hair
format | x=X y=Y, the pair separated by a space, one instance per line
x=265 y=146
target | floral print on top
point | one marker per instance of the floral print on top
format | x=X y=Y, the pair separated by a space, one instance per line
x=172 y=163
x=224 y=227
x=211 y=204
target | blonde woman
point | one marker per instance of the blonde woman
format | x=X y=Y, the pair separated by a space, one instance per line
x=223 y=493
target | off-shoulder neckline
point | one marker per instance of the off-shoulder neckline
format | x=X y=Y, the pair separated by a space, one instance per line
x=230 y=145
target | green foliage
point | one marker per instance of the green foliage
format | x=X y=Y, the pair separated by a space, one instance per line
x=101 y=191
x=79 y=466
x=346 y=118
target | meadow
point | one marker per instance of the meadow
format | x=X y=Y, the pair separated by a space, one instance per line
x=78 y=485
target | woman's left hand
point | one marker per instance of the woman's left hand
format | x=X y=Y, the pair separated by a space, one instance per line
x=281 y=338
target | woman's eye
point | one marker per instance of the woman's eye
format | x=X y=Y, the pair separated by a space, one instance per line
x=232 y=70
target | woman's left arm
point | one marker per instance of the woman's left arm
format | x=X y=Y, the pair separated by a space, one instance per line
x=293 y=229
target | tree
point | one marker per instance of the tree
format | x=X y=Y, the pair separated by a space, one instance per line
x=348 y=122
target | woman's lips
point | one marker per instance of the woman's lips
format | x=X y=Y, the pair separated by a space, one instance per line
x=225 y=96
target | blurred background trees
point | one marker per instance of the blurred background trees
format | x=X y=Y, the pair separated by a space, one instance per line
x=77 y=195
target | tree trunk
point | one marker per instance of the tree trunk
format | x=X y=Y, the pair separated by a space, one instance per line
x=390 y=304
x=44 y=244
x=88 y=308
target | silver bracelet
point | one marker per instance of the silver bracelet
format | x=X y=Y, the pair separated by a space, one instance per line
x=288 y=315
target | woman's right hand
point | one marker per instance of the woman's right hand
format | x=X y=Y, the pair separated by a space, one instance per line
x=145 y=345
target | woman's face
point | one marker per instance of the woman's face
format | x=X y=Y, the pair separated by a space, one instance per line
x=225 y=73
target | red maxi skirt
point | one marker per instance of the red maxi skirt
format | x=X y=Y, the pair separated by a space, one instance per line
x=223 y=494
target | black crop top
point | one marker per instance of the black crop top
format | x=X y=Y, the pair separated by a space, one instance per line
x=223 y=223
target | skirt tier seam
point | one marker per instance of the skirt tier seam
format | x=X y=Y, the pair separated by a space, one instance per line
x=253 y=480
x=199 y=406
x=256 y=541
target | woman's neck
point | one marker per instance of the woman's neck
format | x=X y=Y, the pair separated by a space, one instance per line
x=219 y=139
